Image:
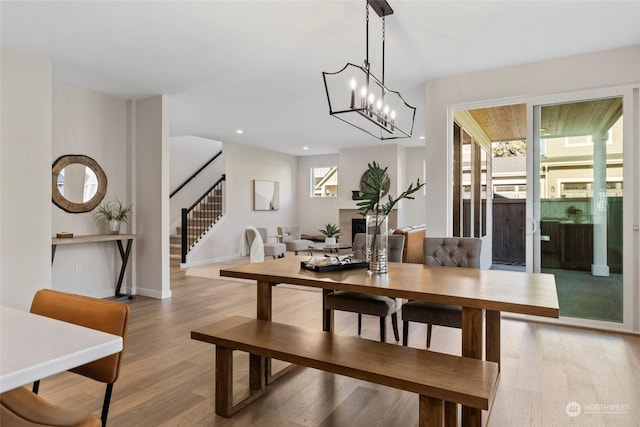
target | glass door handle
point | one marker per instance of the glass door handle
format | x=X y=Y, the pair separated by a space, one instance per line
x=532 y=226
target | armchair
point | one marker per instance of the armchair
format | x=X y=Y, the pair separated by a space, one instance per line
x=291 y=237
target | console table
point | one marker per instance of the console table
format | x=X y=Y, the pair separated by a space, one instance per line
x=97 y=238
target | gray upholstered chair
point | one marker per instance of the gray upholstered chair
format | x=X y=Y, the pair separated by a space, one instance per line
x=291 y=237
x=438 y=251
x=374 y=305
x=275 y=249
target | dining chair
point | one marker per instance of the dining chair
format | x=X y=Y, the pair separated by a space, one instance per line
x=374 y=305
x=438 y=251
x=103 y=315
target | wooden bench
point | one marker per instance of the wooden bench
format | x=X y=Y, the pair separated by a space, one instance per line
x=436 y=377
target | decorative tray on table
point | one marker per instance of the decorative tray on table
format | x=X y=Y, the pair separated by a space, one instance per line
x=332 y=263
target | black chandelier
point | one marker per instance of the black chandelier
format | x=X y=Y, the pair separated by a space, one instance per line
x=357 y=97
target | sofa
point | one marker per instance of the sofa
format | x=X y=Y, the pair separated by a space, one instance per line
x=413 y=242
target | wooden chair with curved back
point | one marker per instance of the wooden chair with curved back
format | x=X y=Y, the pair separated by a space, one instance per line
x=374 y=305
x=439 y=251
x=22 y=407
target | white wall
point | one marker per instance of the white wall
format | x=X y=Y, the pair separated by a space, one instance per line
x=25 y=174
x=95 y=125
x=315 y=212
x=243 y=164
x=188 y=154
x=600 y=69
x=149 y=130
x=413 y=212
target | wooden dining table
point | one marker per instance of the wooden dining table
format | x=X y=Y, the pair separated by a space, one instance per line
x=33 y=347
x=482 y=294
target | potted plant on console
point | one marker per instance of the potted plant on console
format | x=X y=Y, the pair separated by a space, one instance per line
x=331 y=231
x=114 y=213
x=376 y=211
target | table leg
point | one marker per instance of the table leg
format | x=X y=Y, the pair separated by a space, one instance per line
x=492 y=340
x=471 y=347
x=124 y=254
x=264 y=312
x=264 y=300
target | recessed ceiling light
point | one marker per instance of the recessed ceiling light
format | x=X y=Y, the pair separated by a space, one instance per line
x=239 y=131
x=421 y=137
x=305 y=148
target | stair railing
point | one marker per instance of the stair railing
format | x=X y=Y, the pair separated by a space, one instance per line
x=195 y=174
x=200 y=217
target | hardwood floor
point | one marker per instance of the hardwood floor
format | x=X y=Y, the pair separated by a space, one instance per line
x=167 y=379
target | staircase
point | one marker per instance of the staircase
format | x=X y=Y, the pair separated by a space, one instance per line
x=200 y=219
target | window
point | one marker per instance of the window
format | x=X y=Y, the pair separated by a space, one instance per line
x=324 y=181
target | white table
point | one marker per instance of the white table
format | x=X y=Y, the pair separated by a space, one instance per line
x=33 y=347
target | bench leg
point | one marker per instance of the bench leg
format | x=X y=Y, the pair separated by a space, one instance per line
x=224 y=381
x=431 y=412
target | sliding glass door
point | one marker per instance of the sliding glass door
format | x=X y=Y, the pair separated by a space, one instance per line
x=576 y=203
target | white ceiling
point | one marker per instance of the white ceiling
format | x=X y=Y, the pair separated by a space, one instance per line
x=256 y=65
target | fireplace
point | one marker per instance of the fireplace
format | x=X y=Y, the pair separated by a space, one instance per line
x=358 y=225
x=348 y=217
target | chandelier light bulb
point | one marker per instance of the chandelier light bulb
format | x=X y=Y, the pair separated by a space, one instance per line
x=353 y=93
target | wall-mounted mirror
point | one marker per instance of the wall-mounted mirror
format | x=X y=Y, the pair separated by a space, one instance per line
x=78 y=183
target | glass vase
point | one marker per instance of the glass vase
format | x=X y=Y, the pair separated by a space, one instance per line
x=377 y=243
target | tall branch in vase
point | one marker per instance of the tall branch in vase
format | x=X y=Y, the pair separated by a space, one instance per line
x=371 y=197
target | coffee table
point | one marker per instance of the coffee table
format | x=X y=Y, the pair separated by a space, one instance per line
x=332 y=249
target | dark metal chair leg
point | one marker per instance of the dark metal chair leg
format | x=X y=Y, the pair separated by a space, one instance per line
x=105 y=405
x=405 y=332
x=394 y=324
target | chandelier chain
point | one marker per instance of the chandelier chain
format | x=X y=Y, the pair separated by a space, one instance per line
x=383 y=39
x=366 y=62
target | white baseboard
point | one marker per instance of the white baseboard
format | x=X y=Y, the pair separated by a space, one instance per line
x=209 y=261
x=153 y=293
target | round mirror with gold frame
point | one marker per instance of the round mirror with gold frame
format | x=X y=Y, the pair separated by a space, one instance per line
x=78 y=183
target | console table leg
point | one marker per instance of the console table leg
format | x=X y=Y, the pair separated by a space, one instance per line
x=124 y=254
